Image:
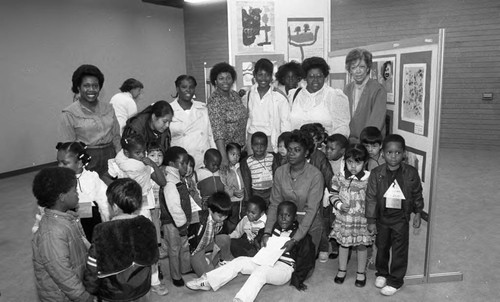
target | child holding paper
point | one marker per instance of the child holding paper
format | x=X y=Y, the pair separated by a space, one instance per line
x=294 y=264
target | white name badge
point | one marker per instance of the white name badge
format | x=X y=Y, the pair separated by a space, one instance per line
x=394 y=196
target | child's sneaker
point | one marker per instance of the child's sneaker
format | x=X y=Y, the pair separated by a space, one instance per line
x=199 y=283
x=388 y=290
x=160 y=289
x=323 y=257
x=380 y=282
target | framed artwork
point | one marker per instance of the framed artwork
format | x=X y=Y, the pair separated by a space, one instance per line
x=305 y=38
x=384 y=71
x=338 y=80
x=416 y=158
x=414 y=95
x=255 y=26
x=244 y=65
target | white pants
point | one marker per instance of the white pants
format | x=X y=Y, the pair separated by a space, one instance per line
x=278 y=274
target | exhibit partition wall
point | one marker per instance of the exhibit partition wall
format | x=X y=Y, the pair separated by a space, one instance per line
x=411 y=72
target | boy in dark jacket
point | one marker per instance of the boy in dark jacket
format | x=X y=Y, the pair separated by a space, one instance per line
x=394 y=191
x=294 y=265
x=123 y=249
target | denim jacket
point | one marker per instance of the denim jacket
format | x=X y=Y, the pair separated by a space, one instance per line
x=59 y=254
x=378 y=185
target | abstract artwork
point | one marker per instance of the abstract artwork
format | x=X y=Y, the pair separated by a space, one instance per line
x=305 y=38
x=413 y=106
x=414 y=78
x=383 y=70
x=255 y=26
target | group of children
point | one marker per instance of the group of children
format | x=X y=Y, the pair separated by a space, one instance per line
x=209 y=217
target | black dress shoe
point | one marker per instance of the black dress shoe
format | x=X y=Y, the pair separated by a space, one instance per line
x=333 y=255
x=178 y=283
x=340 y=280
x=360 y=283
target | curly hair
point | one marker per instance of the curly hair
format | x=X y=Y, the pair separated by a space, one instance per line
x=358 y=54
x=173 y=153
x=78 y=149
x=86 y=70
x=220 y=68
x=394 y=138
x=130 y=84
x=293 y=67
x=316 y=62
x=126 y=193
x=50 y=183
x=302 y=138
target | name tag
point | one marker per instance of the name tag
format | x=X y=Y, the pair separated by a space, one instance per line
x=394 y=196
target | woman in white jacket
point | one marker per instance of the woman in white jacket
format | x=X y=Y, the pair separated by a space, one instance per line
x=190 y=127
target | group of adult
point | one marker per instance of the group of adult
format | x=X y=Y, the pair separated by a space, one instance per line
x=197 y=126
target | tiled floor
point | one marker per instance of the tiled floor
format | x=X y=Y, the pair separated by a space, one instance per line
x=465 y=239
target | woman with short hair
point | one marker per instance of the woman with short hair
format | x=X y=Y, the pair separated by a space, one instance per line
x=367 y=97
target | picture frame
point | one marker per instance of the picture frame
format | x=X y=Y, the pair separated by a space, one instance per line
x=417 y=159
x=385 y=72
x=305 y=38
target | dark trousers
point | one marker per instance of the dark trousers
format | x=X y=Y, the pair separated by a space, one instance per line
x=393 y=236
x=328 y=219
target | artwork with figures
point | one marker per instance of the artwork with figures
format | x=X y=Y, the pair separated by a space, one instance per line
x=305 y=38
x=416 y=159
x=255 y=26
x=383 y=70
x=413 y=93
x=245 y=63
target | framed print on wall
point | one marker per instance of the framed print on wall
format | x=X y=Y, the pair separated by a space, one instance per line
x=384 y=71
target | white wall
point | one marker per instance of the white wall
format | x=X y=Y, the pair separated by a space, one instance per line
x=43 y=42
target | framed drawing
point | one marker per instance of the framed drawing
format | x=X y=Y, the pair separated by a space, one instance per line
x=305 y=38
x=416 y=158
x=244 y=65
x=414 y=83
x=255 y=26
x=338 y=80
x=384 y=71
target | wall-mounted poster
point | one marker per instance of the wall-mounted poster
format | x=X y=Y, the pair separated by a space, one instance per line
x=244 y=65
x=414 y=88
x=416 y=158
x=255 y=26
x=338 y=80
x=383 y=70
x=305 y=38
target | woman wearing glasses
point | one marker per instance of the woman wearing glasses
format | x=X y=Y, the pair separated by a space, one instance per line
x=367 y=97
x=319 y=103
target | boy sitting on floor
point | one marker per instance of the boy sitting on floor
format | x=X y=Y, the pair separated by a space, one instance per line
x=295 y=263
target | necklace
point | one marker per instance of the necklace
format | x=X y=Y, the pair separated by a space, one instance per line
x=297 y=173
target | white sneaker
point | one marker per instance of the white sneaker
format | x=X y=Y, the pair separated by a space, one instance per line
x=323 y=257
x=199 y=283
x=380 y=282
x=388 y=290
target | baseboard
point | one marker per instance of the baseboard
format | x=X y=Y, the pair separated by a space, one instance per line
x=26 y=170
